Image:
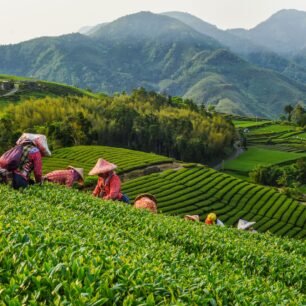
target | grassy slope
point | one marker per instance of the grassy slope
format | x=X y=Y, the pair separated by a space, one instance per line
x=249 y=124
x=61 y=246
x=87 y=156
x=40 y=90
x=259 y=156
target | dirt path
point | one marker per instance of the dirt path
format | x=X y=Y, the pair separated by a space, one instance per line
x=12 y=92
x=234 y=155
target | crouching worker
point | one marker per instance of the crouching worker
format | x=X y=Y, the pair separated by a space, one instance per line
x=146 y=201
x=109 y=184
x=211 y=219
x=66 y=177
x=24 y=158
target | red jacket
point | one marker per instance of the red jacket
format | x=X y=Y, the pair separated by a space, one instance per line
x=63 y=177
x=109 y=189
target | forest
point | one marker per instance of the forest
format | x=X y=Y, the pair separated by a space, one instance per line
x=143 y=120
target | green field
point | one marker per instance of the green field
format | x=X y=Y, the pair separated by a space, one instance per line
x=87 y=156
x=64 y=247
x=249 y=124
x=200 y=190
x=272 y=129
x=259 y=156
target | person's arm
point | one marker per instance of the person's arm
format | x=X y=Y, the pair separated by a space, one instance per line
x=98 y=189
x=114 y=189
x=35 y=157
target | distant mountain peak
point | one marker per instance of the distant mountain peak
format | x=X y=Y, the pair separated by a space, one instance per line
x=147 y=25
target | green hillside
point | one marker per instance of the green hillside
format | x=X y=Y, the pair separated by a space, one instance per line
x=22 y=88
x=87 y=156
x=61 y=246
x=264 y=156
x=283 y=33
x=252 y=51
x=200 y=190
x=159 y=53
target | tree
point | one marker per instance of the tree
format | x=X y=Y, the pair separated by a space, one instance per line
x=288 y=110
x=298 y=115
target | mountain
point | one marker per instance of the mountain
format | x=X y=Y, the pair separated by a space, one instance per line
x=284 y=32
x=88 y=30
x=235 y=43
x=145 y=25
x=159 y=53
x=245 y=47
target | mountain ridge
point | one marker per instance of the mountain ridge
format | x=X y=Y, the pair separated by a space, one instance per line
x=175 y=60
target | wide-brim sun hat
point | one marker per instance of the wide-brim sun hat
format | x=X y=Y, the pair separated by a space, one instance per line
x=102 y=166
x=147 y=202
x=146 y=195
x=80 y=171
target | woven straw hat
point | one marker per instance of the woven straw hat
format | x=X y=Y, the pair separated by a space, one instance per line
x=146 y=195
x=102 y=166
x=80 y=171
x=146 y=202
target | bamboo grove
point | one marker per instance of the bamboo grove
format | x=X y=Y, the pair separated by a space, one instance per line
x=144 y=121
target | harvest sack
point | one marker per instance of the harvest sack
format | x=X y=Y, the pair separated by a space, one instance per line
x=10 y=159
x=243 y=224
x=40 y=141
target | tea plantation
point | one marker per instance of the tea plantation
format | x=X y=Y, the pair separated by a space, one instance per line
x=64 y=247
x=87 y=156
x=200 y=190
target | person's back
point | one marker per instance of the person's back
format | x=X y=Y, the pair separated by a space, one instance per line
x=66 y=177
x=31 y=159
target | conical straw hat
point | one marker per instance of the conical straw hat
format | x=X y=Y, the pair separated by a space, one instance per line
x=80 y=171
x=102 y=166
x=146 y=195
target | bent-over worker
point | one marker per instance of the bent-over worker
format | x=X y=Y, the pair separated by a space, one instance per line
x=66 y=177
x=109 y=183
x=211 y=219
x=34 y=146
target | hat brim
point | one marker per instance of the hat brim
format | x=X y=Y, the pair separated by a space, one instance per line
x=148 y=195
x=97 y=172
x=78 y=171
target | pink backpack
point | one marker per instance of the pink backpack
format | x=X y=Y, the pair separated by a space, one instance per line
x=10 y=159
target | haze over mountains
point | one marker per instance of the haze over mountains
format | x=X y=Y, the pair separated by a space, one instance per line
x=178 y=54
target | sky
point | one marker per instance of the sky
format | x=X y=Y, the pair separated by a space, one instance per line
x=22 y=20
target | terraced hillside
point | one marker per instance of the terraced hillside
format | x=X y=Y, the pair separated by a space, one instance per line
x=200 y=190
x=87 y=156
x=277 y=136
x=63 y=247
x=21 y=88
x=269 y=143
x=261 y=155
